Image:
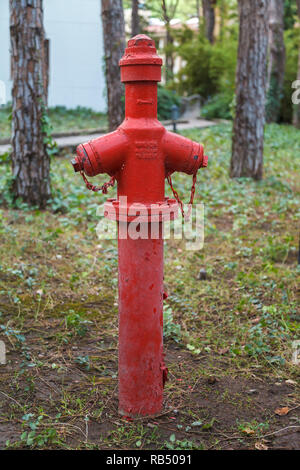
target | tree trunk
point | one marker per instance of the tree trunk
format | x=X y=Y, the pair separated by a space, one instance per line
x=208 y=7
x=296 y=108
x=45 y=59
x=276 y=63
x=168 y=13
x=135 y=20
x=248 y=127
x=114 y=45
x=198 y=14
x=30 y=161
x=169 y=54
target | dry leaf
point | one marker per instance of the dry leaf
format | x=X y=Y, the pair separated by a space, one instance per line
x=223 y=351
x=248 y=431
x=260 y=446
x=282 y=411
x=291 y=382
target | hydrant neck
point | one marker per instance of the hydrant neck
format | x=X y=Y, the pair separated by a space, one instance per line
x=141 y=100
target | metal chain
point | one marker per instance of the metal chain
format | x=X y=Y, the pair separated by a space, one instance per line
x=112 y=180
x=102 y=188
x=193 y=189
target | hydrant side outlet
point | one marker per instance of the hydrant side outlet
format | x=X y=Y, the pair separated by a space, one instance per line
x=140 y=154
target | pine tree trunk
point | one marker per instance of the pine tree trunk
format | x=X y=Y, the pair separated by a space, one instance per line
x=208 y=7
x=276 y=63
x=135 y=20
x=114 y=45
x=169 y=42
x=248 y=127
x=198 y=14
x=296 y=107
x=169 y=54
x=30 y=161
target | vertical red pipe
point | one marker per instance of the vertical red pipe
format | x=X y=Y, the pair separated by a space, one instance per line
x=140 y=325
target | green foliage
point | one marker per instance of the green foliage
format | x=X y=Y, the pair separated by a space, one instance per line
x=291 y=38
x=83 y=361
x=47 y=129
x=171 y=330
x=165 y=99
x=273 y=100
x=58 y=119
x=219 y=106
x=290 y=14
x=34 y=436
x=185 y=444
x=271 y=329
x=76 y=323
x=209 y=71
x=5 y=120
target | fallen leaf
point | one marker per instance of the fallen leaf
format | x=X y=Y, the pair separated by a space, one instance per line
x=248 y=431
x=223 y=351
x=282 y=411
x=197 y=423
x=291 y=382
x=260 y=446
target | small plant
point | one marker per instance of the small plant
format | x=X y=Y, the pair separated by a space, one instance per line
x=34 y=436
x=176 y=444
x=269 y=331
x=171 y=330
x=10 y=332
x=47 y=129
x=253 y=427
x=83 y=361
x=75 y=322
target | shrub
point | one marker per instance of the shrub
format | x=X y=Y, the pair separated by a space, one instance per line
x=219 y=106
x=292 y=45
x=209 y=68
x=165 y=99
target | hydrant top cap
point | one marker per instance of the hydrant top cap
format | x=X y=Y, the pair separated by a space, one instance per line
x=140 y=51
x=141 y=40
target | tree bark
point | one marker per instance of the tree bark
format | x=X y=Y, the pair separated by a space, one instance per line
x=114 y=45
x=168 y=13
x=248 y=128
x=30 y=161
x=296 y=107
x=135 y=20
x=208 y=7
x=276 y=63
x=198 y=14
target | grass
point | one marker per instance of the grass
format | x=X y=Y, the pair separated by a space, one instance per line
x=62 y=119
x=228 y=338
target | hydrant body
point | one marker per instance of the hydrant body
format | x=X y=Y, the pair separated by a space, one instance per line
x=140 y=154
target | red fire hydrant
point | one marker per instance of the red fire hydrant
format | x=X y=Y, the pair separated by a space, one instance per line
x=139 y=155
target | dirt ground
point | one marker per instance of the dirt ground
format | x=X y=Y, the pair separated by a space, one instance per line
x=232 y=383
x=232 y=412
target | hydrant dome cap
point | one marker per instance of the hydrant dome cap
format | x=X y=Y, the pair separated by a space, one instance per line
x=140 y=51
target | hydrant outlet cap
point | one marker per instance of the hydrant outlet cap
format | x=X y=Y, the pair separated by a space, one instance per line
x=76 y=165
x=140 y=61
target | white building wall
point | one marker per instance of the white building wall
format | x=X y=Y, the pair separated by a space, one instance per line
x=74 y=30
x=4 y=48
